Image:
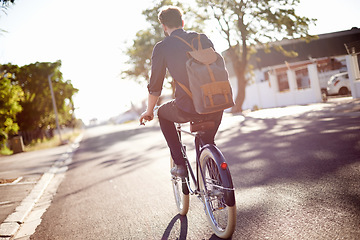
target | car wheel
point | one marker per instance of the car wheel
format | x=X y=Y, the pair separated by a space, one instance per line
x=343 y=91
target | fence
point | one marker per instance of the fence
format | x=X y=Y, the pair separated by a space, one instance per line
x=29 y=136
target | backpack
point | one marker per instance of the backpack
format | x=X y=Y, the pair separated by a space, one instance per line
x=209 y=84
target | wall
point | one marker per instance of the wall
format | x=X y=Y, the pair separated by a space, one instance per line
x=354 y=74
x=266 y=94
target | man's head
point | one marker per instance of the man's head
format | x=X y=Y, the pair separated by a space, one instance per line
x=171 y=18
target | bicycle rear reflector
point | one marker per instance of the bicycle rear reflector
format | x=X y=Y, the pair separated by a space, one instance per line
x=223 y=165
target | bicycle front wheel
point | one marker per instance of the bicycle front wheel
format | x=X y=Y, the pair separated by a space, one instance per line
x=181 y=192
x=217 y=192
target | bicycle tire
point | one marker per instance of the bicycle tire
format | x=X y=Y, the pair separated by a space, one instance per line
x=181 y=192
x=217 y=192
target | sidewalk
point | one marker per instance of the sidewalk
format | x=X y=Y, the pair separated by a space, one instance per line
x=23 y=180
x=346 y=106
x=25 y=176
x=333 y=107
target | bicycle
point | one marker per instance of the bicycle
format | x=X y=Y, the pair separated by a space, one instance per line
x=212 y=184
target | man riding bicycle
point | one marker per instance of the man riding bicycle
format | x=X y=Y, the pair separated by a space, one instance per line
x=171 y=54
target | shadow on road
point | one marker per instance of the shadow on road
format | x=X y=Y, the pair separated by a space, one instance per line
x=180 y=230
x=115 y=152
x=268 y=150
x=170 y=230
x=316 y=153
x=97 y=147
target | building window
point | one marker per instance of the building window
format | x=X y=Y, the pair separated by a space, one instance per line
x=302 y=78
x=283 y=81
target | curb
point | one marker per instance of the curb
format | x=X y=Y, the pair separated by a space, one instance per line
x=13 y=222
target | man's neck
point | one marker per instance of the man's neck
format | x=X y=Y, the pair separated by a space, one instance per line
x=172 y=29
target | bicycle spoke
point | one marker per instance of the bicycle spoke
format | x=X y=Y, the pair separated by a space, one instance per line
x=215 y=194
x=220 y=215
x=209 y=188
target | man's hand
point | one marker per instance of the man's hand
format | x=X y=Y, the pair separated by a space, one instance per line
x=146 y=116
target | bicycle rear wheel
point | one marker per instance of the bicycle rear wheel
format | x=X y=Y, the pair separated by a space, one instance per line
x=181 y=192
x=217 y=192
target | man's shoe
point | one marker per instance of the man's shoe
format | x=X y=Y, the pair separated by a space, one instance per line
x=179 y=171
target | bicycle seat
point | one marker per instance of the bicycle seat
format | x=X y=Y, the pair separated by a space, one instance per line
x=201 y=126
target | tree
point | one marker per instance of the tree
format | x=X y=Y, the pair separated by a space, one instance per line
x=245 y=23
x=140 y=52
x=38 y=112
x=37 y=105
x=10 y=97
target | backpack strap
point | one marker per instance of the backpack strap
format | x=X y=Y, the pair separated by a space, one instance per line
x=188 y=92
x=191 y=45
x=184 y=88
x=199 y=42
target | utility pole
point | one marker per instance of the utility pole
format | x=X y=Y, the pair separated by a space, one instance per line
x=54 y=105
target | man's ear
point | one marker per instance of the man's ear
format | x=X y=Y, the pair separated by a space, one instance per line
x=165 y=30
x=183 y=23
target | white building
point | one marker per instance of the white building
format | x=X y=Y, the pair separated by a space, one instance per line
x=280 y=81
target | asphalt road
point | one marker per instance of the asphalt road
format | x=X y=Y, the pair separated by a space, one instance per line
x=296 y=177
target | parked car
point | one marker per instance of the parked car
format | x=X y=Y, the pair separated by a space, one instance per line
x=339 y=84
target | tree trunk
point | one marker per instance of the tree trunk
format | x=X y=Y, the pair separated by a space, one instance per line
x=239 y=70
x=241 y=84
x=240 y=63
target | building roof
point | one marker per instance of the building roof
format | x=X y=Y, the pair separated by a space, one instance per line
x=327 y=45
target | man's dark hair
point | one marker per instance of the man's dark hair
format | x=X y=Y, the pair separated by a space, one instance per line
x=171 y=17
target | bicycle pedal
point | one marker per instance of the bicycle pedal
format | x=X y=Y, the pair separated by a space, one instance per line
x=175 y=178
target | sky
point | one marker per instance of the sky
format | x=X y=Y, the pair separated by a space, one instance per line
x=90 y=38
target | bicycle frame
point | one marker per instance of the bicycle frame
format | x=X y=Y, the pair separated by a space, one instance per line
x=198 y=146
x=213 y=183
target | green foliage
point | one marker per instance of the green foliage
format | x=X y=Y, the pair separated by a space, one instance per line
x=5 y=151
x=243 y=24
x=37 y=109
x=10 y=97
x=257 y=21
x=246 y=23
x=139 y=54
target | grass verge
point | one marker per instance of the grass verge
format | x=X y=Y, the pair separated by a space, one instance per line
x=53 y=142
x=5 y=151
